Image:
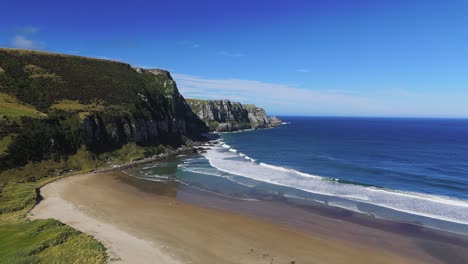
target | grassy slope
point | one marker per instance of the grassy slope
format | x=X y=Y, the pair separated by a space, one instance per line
x=40 y=241
x=42 y=79
x=4 y=143
x=12 y=107
x=83 y=110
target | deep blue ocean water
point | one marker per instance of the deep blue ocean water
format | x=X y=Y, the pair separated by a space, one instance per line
x=419 y=155
x=410 y=170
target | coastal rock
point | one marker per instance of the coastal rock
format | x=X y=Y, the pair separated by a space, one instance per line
x=148 y=124
x=275 y=121
x=225 y=116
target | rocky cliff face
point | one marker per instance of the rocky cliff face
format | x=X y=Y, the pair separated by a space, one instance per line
x=224 y=115
x=154 y=120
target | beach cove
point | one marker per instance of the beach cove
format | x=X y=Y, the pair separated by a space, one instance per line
x=147 y=222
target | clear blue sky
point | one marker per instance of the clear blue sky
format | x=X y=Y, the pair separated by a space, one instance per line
x=329 y=57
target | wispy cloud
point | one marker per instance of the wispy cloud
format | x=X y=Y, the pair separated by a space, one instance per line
x=302 y=70
x=399 y=92
x=189 y=44
x=229 y=54
x=289 y=99
x=23 y=42
x=26 y=30
x=277 y=97
x=23 y=39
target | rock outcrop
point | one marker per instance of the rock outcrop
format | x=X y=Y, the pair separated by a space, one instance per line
x=225 y=116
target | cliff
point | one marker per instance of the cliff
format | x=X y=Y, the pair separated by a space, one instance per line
x=224 y=115
x=55 y=103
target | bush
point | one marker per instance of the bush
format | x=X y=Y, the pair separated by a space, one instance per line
x=151 y=151
x=54 y=138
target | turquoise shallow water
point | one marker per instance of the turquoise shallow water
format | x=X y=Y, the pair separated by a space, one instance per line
x=411 y=170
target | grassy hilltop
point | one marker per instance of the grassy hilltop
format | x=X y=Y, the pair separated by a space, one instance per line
x=62 y=114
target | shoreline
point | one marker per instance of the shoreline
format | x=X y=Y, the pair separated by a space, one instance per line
x=166 y=155
x=171 y=227
x=121 y=247
x=423 y=219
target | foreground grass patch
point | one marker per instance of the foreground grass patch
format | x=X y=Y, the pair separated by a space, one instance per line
x=39 y=241
x=15 y=197
x=47 y=241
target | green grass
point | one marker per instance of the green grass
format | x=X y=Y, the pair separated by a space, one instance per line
x=69 y=105
x=75 y=106
x=47 y=241
x=82 y=161
x=12 y=107
x=42 y=79
x=196 y=104
x=17 y=196
x=40 y=241
x=124 y=154
x=4 y=143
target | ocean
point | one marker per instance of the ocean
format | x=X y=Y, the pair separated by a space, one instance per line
x=399 y=169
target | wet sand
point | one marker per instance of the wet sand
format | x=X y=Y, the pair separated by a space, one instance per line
x=145 y=222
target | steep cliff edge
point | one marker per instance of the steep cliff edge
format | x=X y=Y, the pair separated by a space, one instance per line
x=73 y=101
x=154 y=119
x=224 y=115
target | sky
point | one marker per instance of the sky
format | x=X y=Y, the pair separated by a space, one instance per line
x=317 y=57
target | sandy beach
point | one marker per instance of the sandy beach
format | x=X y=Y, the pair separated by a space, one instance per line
x=140 y=222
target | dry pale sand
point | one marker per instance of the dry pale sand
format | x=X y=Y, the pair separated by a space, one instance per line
x=142 y=227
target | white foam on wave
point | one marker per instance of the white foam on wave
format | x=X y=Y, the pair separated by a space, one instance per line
x=153 y=165
x=156 y=179
x=437 y=207
x=216 y=193
x=233 y=150
x=249 y=159
x=237 y=131
x=211 y=173
x=288 y=170
x=203 y=171
x=347 y=206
